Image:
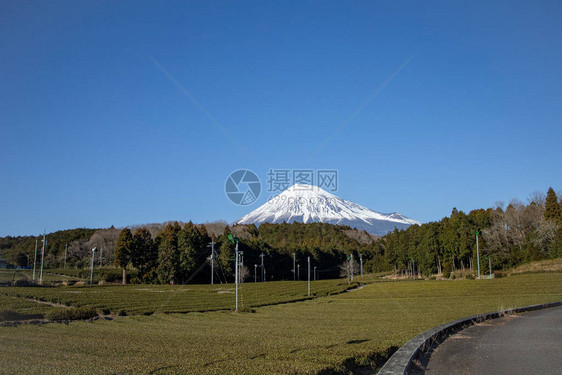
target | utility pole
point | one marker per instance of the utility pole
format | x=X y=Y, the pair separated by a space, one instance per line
x=299 y=271
x=236 y=256
x=240 y=265
x=212 y=246
x=35 y=260
x=294 y=266
x=361 y=263
x=92 y=266
x=235 y=240
x=314 y=273
x=351 y=266
x=477 y=255
x=42 y=257
x=309 y=276
x=65 y=253
x=255 y=273
x=262 y=268
x=413 y=268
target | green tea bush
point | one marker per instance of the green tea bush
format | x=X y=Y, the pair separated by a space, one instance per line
x=73 y=313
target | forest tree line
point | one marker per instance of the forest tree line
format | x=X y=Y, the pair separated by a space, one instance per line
x=181 y=253
x=510 y=235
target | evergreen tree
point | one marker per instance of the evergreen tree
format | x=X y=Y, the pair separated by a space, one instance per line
x=123 y=251
x=189 y=245
x=168 y=257
x=144 y=254
x=551 y=207
x=226 y=257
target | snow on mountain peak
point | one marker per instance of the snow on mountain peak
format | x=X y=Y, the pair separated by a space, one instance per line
x=308 y=203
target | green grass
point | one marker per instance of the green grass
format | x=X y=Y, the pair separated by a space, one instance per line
x=304 y=337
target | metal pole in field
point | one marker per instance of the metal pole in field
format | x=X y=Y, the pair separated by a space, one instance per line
x=490 y=266
x=255 y=273
x=212 y=262
x=351 y=266
x=240 y=264
x=35 y=260
x=262 y=268
x=477 y=255
x=361 y=263
x=92 y=266
x=235 y=240
x=309 y=276
x=42 y=258
x=236 y=276
x=299 y=272
x=65 y=253
x=294 y=266
x=413 y=268
x=212 y=246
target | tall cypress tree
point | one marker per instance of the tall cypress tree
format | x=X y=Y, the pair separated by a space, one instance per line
x=551 y=207
x=144 y=254
x=168 y=257
x=189 y=244
x=226 y=257
x=123 y=251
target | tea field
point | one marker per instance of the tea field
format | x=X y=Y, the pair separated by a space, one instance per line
x=150 y=299
x=330 y=334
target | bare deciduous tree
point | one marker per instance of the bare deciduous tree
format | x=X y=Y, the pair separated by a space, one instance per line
x=545 y=234
x=244 y=273
x=511 y=227
x=104 y=239
x=216 y=228
x=347 y=268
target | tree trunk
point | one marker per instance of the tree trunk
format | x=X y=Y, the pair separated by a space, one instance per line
x=439 y=265
x=124 y=276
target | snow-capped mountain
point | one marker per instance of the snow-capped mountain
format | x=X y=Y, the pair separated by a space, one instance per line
x=309 y=204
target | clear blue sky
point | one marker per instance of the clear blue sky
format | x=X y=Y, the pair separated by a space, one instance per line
x=94 y=134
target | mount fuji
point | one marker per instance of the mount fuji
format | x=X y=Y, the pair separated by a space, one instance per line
x=311 y=204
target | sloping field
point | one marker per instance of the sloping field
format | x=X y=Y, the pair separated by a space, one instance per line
x=329 y=333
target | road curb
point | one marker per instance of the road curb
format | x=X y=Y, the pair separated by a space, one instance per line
x=404 y=360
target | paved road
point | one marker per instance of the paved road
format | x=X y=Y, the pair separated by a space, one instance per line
x=529 y=343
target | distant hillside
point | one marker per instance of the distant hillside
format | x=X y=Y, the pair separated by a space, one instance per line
x=15 y=249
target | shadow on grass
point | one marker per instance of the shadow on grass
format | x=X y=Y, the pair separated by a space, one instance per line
x=364 y=365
